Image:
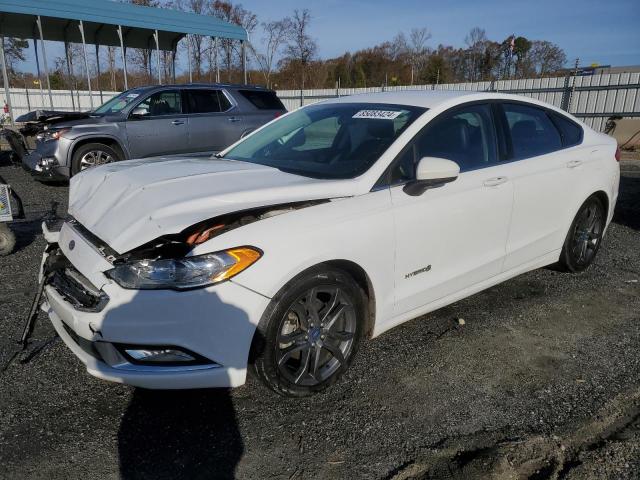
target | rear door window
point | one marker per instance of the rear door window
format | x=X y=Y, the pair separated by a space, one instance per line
x=532 y=131
x=262 y=100
x=207 y=101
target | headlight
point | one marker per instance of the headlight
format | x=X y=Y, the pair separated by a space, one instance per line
x=184 y=273
x=51 y=134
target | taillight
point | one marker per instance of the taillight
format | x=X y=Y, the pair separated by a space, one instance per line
x=617 y=154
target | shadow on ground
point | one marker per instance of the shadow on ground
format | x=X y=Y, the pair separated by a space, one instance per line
x=628 y=206
x=179 y=434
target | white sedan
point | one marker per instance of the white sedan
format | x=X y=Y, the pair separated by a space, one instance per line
x=329 y=225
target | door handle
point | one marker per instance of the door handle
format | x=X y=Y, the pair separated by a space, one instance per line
x=234 y=119
x=178 y=122
x=495 y=181
x=574 y=163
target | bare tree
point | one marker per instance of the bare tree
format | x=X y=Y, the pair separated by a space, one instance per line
x=227 y=11
x=301 y=48
x=476 y=41
x=547 y=57
x=196 y=42
x=274 y=39
x=417 y=48
x=14 y=52
x=142 y=57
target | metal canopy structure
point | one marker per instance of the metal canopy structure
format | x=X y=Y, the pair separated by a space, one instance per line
x=109 y=23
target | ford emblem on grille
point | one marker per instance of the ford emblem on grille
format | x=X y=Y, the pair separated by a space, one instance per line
x=72 y=244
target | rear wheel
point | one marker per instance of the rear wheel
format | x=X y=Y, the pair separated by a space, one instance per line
x=7 y=240
x=584 y=237
x=310 y=333
x=93 y=155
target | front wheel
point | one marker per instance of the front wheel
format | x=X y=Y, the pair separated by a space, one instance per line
x=584 y=237
x=310 y=333
x=7 y=240
x=92 y=155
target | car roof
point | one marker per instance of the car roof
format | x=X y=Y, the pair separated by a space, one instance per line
x=432 y=98
x=206 y=85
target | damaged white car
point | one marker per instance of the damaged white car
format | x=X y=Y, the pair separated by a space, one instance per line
x=331 y=224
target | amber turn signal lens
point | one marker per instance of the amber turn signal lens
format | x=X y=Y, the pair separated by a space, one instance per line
x=244 y=257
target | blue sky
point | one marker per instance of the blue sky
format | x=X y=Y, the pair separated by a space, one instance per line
x=604 y=32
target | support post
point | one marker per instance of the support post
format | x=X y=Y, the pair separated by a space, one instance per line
x=244 y=60
x=189 y=59
x=67 y=54
x=98 y=67
x=44 y=60
x=5 y=78
x=124 y=57
x=174 y=52
x=35 y=49
x=215 y=53
x=26 y=92
x=86 y=62
x=157 y=39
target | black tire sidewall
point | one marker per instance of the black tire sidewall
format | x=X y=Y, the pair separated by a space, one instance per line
x=263 y=355
x=82 y=149
x=567 y=259
x=9 y=238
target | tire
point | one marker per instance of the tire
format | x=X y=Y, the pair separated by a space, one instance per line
x=310 y=332
x=584 y=237
x=98 y=153
x=7 y=240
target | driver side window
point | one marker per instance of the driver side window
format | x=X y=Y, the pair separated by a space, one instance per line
x=465 y=135
x=167 y=102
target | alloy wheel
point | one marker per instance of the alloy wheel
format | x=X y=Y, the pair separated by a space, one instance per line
x=316 y=336
x=587 y=233
x=94 y=158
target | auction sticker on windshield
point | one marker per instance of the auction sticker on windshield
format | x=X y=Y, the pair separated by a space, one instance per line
x=380 y=114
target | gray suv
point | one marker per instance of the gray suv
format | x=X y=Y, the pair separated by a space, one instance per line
x=150 y=121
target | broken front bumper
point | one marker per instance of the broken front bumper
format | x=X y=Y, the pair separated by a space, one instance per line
x=216 y=324
x=45 y=168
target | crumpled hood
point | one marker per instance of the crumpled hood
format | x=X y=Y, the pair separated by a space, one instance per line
x=127 y=204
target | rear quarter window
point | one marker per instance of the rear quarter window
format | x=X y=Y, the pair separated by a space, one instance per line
x=570 y=131
x=262 y=100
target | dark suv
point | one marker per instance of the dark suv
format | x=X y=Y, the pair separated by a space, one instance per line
x=151 y=121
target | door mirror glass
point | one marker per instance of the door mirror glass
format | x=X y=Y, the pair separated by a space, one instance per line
x=432 y=172
x=140 y=112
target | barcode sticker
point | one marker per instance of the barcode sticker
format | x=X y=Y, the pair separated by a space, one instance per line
x=379 y=114
x=5 y=205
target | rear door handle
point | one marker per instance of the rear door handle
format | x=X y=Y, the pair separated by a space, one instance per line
x=495 y=181
x=178 y=122
x=234 y=119
x=574 y=163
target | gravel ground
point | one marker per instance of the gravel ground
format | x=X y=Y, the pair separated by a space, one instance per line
x=542 y=381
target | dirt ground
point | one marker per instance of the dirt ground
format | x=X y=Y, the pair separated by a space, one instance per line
x=542 y=381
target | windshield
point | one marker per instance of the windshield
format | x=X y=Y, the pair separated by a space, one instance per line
x=334 y=140
x=119 y=102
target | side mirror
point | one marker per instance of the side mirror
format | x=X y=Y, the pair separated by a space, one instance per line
x=139 y=112
x=432 y=172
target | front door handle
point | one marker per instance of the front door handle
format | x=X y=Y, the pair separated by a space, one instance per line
x=495 y=181
x=178 y=122
x=234 y=119
x=574 y=163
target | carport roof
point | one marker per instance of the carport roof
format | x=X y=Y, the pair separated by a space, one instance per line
x=101 y=18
